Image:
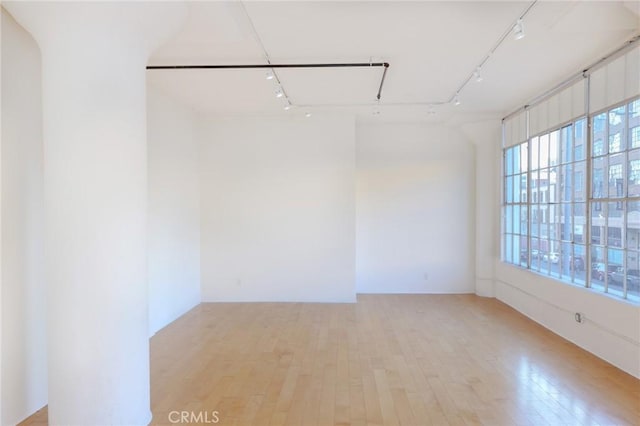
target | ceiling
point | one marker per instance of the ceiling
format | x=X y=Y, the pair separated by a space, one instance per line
x=432 y=48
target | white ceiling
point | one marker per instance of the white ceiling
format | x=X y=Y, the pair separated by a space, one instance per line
x=432 y=46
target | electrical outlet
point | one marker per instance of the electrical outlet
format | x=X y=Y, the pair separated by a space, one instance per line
x=579 y=317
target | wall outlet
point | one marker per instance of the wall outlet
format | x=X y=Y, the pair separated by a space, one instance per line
x=579 y=316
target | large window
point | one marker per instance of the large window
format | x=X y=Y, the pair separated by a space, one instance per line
x=571 y=204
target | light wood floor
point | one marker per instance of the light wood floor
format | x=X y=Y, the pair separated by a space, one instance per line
x=387 y=360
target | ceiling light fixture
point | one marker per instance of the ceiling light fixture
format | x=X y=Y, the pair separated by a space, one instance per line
x=307 y=114
x=269 y=75
x=477 y=75
x=287 y=107
x=456 y=100
x=518 y=30
x=279 y=93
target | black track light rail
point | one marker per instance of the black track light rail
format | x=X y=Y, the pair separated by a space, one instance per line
x=255 y=66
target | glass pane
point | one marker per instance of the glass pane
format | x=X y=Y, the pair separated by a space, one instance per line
x=566 y=146
x=543 y=220
x=508 y=192
x=517 y=191
x=614 y=223
x=634 y=123
x=598 y=188
x=508 y=219
x=524 y=157
x=579 y=181
x=553 y=258
x=524 y=187
x=565 y=265
x=633 y=276
x=566 y=222
x=580 y=140
x=579 y=222
x=508 y=249
x=524 y=254
x=565 y=182
x=615 y=271
x=544 y=256
x=634 y=173
x=544 y=151
x=598 y=222
x=524 y=224
x=516 y=249
x=579 y=264
x=543 y=186
x=599 y=127
x=554 y=221
x=554 y=148
x=535 y=155
x=535 y=228
x=516 y=219
x=508 y=162
x=516 y=159
x=533 y=186
x=535 y=254
x=634 y=110
x=634 y=137
x=616 y=176
x=616 y=129
x=633 y=225
x=598 y=268
x=553 y=189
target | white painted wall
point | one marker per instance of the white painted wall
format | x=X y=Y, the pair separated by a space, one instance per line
x=278 y=210
x=612 y=327
x=483 y=135
x=174 y=209
x=414 y=215
x=24 y=363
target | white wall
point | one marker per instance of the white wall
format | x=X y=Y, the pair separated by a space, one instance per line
x=612 y=327
x=278 y=210
x=24 y=362
x=174 y=209
x=483 y=135
x=414 y=215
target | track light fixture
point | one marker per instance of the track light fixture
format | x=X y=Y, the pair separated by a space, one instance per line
x=456 y=100
x=518 y=30
x=477 y=75
x=307 y=114
x=279 y=93
x=269 y=75
x=287 y=107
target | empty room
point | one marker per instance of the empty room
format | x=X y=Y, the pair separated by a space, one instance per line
x=320 y=213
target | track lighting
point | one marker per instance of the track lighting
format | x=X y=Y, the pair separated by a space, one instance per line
x=456 y=100
x=477 y=75
x=279 y=93
x=518 y=30
x=307 y=114
x=269 y=75
x=287 y=107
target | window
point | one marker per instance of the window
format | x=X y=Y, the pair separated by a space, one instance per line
x=577 y=214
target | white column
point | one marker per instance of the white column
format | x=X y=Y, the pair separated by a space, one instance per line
x=94 y=115
x=486 y=137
